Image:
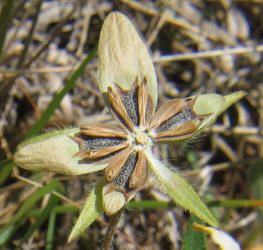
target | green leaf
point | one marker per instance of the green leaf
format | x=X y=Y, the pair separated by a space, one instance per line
x=193 y=239
x=232 y=98
x=5 y=19
x=148 y=204
x=179 y=190
x=6 y=168
x=92 y=209
x=51 y=231
x=16 y=221
x=256 y=179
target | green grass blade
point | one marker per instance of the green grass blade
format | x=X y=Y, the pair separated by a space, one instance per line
x=18 y=219
x=5 y=16
x=193 y=239
x=41 y=218
x=256 y=179
x=58 y=98
x=235 y=203
x=62 y=209
x=59 y=209
x=30 y=202
x=7 y=234
x=152 y=204
x=6 y=168
x=51 y=231
x=149 y=204
x=256 y=186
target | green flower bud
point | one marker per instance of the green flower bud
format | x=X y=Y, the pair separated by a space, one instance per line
x=123 y=57
x=56 y=152
x=212 y=105
x=112 y=201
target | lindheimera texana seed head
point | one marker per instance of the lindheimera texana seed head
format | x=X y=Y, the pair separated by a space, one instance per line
x=127 y=80
x=54 y=151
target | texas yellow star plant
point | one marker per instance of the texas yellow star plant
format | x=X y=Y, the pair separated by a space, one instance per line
x=123 y=150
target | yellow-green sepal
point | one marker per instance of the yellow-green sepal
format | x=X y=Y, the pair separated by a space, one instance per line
x=92 y=209
x=179 y=190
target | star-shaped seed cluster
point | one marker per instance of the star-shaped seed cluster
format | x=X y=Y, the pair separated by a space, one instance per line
x=138 y=128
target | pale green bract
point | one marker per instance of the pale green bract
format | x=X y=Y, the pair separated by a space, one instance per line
x=92 y=209
x=180 y=191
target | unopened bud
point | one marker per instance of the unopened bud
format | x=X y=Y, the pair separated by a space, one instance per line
x=112 y=201
x=55 y=152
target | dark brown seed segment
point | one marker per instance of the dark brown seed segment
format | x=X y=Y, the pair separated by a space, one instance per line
x=118 y=109
x=177 y=120
x=121 y=180
x=140 y=173
x=116 y=163
x=92 y=143
x=130 y=101
x=145 y=104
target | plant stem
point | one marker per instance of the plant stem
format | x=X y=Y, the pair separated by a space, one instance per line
x=114 y=220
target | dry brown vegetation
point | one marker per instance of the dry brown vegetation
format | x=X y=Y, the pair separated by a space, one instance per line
x=198 y=47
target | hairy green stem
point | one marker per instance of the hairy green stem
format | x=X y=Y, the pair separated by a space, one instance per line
x=114 y=220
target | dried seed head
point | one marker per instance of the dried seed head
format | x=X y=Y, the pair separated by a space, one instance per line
x=123 y=57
